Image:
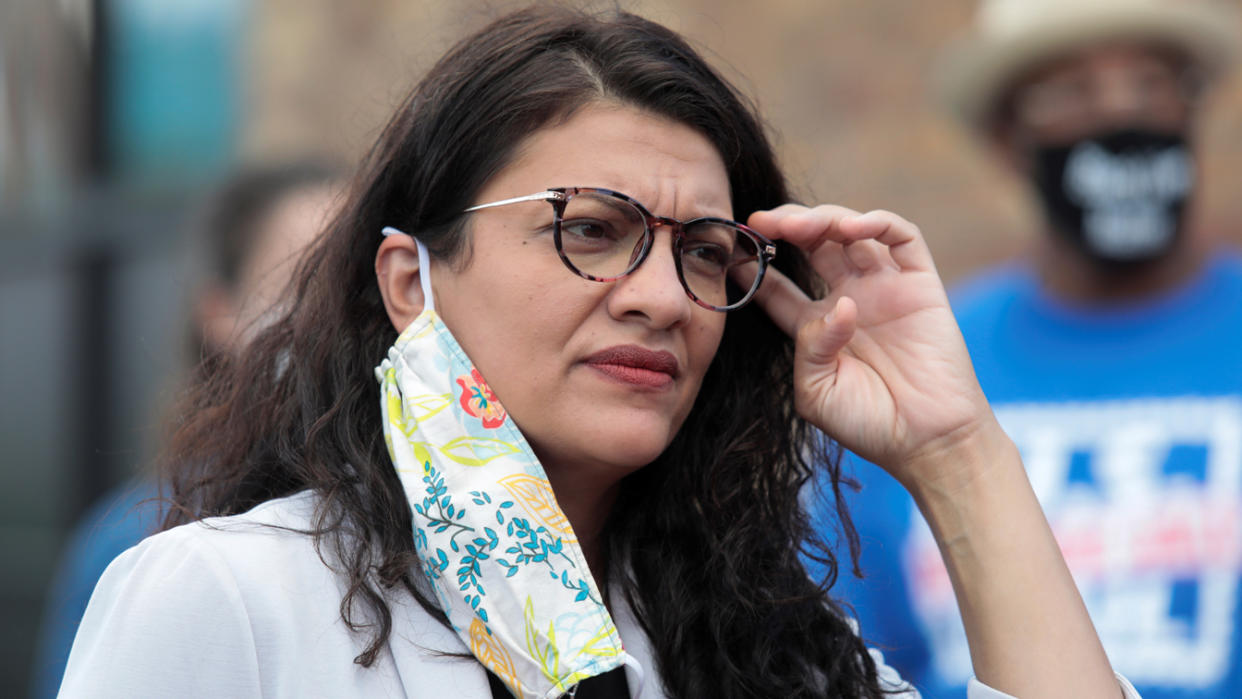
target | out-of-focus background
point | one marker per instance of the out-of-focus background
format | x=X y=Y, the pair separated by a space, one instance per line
x=116 y=116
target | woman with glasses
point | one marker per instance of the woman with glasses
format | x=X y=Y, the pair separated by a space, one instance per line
x=538 y=418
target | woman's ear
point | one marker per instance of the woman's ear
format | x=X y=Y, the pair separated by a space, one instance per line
x=397 y=272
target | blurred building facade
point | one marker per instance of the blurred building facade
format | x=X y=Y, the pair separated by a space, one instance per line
x=844 y=86
x=114 y=114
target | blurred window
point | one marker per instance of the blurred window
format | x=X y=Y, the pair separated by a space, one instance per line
x=172 y=86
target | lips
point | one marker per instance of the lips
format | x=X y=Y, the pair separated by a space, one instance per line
x=636 y=366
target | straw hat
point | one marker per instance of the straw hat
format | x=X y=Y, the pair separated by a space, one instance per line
x=1011 y=37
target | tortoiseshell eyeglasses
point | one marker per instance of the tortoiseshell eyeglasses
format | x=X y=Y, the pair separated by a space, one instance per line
x=604 y=235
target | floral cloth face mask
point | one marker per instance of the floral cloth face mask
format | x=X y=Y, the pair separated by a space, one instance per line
x=492 y=540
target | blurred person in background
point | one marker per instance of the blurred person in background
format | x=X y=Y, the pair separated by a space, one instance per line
x=1112 y=354
x=247 y=243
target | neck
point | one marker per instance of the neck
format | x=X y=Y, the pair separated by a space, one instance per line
x=1069 y=275
x=587 y=501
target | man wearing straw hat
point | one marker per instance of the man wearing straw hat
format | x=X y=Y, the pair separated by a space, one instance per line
x=1113 y=353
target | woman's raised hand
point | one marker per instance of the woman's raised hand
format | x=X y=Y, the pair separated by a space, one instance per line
x=880 y=366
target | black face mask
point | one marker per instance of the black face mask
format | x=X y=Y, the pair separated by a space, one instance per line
x=1120 y=196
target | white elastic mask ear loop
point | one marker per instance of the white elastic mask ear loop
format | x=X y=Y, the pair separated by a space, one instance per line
x=638 y=670
x=424 y=276
x=424 y=268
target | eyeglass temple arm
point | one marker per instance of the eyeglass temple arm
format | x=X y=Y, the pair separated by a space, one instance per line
x=541 y=196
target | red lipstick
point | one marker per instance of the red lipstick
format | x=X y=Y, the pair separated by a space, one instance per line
x=636 y=366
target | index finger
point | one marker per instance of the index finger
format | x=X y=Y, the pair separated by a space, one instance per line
x=805 y=227
x=810 y=229
x=903 y=239
x=783 y=301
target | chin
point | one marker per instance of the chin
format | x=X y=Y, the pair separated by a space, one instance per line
x=619 y=446
x=629 y=445
x=632 y=455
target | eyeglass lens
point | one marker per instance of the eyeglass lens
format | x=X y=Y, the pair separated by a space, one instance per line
x=604 y=237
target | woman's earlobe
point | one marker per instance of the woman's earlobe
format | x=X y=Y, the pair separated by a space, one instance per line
x=397 y=271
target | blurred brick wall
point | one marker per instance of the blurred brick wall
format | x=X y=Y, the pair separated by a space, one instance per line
x=842 y=84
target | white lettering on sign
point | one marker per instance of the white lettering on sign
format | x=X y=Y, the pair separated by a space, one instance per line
x=1145 y=498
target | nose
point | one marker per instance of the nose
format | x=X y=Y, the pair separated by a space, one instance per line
x=1119 y=96
x=652 y=293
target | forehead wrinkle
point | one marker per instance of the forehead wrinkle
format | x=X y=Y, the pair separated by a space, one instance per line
x=670 y=191
x=687 y=202
x=703 y=202
x=658 y=181
x=663 y=194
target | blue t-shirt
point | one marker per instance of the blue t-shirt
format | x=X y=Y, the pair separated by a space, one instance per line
x=1129 y=420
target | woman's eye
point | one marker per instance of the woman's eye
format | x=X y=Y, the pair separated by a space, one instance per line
x=704 y=254
x=590 y=229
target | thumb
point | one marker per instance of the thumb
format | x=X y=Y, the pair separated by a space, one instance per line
x=823 y=339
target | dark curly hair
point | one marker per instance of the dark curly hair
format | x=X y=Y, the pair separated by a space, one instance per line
x=706 y=542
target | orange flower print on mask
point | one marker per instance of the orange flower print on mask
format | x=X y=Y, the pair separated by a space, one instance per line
x=478 y=400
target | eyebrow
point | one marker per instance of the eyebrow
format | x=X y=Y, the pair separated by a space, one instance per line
x=618 y=205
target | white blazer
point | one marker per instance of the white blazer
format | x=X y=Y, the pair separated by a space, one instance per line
x=236 y=607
